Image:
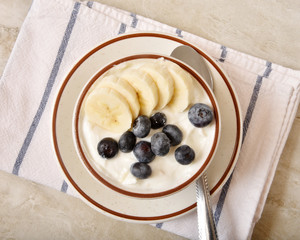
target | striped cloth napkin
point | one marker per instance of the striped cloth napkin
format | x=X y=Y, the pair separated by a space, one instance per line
x=57 y=33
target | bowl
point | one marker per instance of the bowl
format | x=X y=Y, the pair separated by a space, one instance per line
x=168 y=177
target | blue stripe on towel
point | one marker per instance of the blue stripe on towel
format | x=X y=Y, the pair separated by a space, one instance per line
x=221 y=201
x=268 y=69
x=134 y=20
x=47 y=91
x=178 y=32
x=90 y=4
x=64 y=187
x=251 y=105
x=122 y=28
x=246 y=124
x=159 y=225
x=254 y=98
x=223 y=54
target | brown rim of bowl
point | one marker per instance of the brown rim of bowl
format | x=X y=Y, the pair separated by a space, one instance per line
x=97 y=175
x=148 y=218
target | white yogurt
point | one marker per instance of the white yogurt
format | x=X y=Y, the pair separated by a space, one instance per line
x=167 y=173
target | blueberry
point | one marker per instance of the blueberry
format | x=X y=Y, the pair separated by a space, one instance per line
x=184 y=154
x=142 y=151
x=140 y=170
x=127 y=142
x=158 y=120
x=173 y=133
x=160 y=144
x=141 y=126
x=200 y=115
x=107 y=148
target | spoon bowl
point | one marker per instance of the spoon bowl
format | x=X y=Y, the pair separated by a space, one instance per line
x=195 y=60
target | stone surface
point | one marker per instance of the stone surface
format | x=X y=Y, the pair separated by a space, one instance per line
x=266 y=29
x=32 y=211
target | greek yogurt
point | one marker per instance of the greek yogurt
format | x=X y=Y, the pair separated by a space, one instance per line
x=167 y=173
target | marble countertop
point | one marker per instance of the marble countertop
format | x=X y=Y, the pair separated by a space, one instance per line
x=266 y=29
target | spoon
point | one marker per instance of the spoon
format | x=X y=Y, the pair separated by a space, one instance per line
x=206 y=223
x=188 y=55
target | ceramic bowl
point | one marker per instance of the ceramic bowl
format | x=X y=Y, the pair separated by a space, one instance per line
x=88 y=159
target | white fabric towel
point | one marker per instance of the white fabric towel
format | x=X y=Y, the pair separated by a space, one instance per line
x=56 y=34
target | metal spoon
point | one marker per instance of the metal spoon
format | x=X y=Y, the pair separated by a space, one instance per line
x=188 y=55
x=206 y=223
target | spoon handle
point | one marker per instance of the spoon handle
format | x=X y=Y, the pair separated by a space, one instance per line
x=206 y=224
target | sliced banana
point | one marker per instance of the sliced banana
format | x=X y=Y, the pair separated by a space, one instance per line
x=125 y=89
x=108 y=109
x=163 y=79
x=145 y=88
x=183 y=87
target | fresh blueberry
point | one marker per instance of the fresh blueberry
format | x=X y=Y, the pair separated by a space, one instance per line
x=127 y=142
x=173 y=133
x=158 y=120
x=143 y=153
x=200 y=115
x=160 y=144
x=184 y=154
x=141 y=126
x=140 y=170
x=107 y=148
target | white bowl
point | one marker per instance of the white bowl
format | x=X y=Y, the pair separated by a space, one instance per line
x=98 y=173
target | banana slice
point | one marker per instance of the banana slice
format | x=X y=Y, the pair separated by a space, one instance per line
x=108 y=109
x=183 y=87
x=163 y=79
x=125 y=89
x=145 y=88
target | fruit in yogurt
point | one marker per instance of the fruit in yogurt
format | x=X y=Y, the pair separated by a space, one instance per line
x=108 y=109
x=143 y=153
x=158 y=120
x=183 y=85
x=141 y=126
x=145 y=88
x=125 y=89
x=107 y=148
x=140 y=170
x=163 y=80
x=184 y=154
x=141 y=87
x=200 y=115
x=173 y=133
x=127 y=142
x=160 y=144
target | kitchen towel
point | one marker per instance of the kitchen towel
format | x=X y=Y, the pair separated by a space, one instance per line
x=57 y=33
